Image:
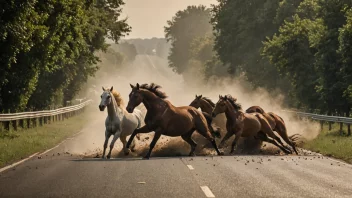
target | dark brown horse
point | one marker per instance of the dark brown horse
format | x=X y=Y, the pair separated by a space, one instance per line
x=243 y=124
x=206 y=106
x=277 y=124
x=165 y=119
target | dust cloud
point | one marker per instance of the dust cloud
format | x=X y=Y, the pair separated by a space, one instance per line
x=148 y=69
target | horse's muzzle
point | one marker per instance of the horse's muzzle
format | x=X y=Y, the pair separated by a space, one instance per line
x=129 y=109
x=101 y=107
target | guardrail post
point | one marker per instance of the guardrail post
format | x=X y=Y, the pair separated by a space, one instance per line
x=45 y=120
x=6 y=125
x=21 y=123
x=341 y=127
x=34 y=122
x=14 y=124
x=348 y=129
x=41 y=121
x=322 y=125
x=330 y=126
x=28 y=123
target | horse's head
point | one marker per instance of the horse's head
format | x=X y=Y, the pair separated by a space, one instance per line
x=135 y=98
x=196 y=102
x=106 y=98
x=220 y=106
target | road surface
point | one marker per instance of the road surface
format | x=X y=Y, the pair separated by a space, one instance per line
x=71 y=175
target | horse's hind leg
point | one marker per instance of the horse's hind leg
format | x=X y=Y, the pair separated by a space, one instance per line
x=267 y=130
x=188 y=138
x=126 y=151
x=261 y=135
x=283 y=133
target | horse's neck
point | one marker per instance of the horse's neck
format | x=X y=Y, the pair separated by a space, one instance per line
x=230 y=112
x=206 y=107
x=153 y=103
x=114 y=110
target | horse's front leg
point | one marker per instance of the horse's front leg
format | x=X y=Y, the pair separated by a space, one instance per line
x=116 y=136
x=143 y=129
x=152 y=144
x=107 y=136
x=226 y=137
x=235 y=141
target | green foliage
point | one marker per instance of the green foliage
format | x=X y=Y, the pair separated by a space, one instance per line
x=185 y=26
x=48 y=47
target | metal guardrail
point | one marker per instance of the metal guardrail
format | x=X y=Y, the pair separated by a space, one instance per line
x=337 y=119
x=43 y=116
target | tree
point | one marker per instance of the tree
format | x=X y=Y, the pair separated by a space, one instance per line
x=240 y=27
x=184 y=27
x=48 y=47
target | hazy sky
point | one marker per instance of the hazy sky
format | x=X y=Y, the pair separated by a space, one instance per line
x=148 y=17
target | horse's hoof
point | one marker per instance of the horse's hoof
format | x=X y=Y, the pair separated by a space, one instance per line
x=221 y=153
x=146 y=158
x=192 y=154
x=108 y=157
x=126 y=153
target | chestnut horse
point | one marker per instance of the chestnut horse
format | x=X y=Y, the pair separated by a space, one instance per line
x=165 y=119
x=277 y=124
x=244 y=124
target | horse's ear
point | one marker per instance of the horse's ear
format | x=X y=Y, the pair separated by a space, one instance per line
x=131 y=86
x=103 y=88
x=219 y=96
x=137 y=85
x=196 y=96
x=225 y=97
x=112 y=87
x=200 y=96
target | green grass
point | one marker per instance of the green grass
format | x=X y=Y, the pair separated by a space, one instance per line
x=15 y=145
x=331 y=143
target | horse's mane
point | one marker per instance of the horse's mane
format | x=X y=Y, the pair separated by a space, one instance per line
x=233 y=100
x=155 y=89
x=209 y=101
x=118 y=98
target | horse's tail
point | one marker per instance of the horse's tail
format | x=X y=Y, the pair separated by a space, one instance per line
x=214 y=130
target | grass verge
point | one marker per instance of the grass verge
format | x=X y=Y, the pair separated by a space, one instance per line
x=16 y=145
x=331 y=143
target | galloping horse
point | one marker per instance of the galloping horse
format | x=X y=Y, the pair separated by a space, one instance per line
x=244 y=124
x=206 y=106
x=277 y=124
x=118 y=122
x=166 y=119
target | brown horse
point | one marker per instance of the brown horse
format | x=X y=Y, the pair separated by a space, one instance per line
x=277 y=124
x=244 y=124
x=206 y=106
x=165 y=119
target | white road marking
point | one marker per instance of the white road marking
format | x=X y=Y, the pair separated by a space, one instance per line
x=17 y=163
x=190 y=167
x=207 y=191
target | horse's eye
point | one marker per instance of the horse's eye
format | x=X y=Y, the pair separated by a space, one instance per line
x=109 y=96
x=101 y=96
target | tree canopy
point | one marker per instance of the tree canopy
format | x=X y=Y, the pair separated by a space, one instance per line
x=48 y=48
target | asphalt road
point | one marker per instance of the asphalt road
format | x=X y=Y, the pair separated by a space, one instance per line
x=68 y=175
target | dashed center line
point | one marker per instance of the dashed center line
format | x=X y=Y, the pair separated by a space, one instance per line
x=190 y=167
x=207 y=191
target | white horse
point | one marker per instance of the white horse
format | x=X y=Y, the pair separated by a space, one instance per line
x=119 y=122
